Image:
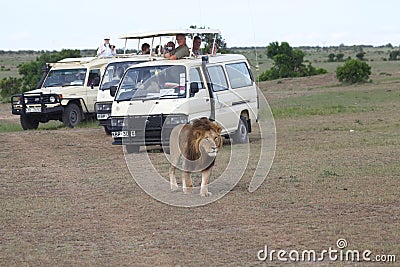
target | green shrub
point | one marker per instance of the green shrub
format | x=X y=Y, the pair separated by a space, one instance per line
x=288 y=62
x=353 y=71
x=10 y=86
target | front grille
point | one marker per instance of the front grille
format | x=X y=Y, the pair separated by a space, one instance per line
x=145 y=122
x=36 y=99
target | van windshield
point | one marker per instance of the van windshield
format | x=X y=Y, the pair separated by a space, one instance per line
x=114 y=73
x=65 y=77
x=153 y=82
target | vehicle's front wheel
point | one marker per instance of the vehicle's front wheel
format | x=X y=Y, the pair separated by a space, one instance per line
x=108 y=131
x=72 y=115
x=28 y=123
x=132 y=149
x=241 y=136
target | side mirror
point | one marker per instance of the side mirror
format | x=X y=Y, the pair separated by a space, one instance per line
x=113 y=90
x=194 y=88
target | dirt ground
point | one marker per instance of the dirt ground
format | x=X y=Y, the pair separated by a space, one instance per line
x=67 y=197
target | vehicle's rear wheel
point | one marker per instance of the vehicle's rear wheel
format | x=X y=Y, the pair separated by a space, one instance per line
x=241 y=136
x=132 y=149
x=72 y=115
x=28 y=123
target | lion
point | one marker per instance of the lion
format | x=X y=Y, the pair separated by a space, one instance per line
x=197 y=145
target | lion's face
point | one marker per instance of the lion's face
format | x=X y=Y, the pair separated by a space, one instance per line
x=203 y=139
x=210 y=143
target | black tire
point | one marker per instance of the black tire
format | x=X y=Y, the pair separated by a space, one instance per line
x=28 y=123
x=241 y=136
x=72 y=115
x=108 y=131
x=132 y=149
x=166 y=150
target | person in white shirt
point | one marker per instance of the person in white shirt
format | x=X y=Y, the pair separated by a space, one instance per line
x=106 y=50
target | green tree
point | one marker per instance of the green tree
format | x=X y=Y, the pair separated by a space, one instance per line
x=10 y=86
x=360 y=55
x=353 y=71
x=339 y=57
x=394 y=55
x=275 y=49
x=331 y=57
x=288 y=62
x=31 y=73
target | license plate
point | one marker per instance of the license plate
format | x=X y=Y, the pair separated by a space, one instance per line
x=123 y=134
x=33 y=109
x=102 y=116
x=120 y=134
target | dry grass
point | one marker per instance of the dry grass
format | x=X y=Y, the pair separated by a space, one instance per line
x=67 y=197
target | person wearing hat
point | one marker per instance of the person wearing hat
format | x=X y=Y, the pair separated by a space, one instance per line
x=106 y=50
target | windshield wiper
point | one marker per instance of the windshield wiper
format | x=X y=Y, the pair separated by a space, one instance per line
x=170 y=95
x=150 y=98
x=123 y=99
x=52 y=85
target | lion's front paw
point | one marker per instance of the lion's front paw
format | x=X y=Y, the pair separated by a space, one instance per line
x=187 y=190
x=205 y=194
x=174 y=187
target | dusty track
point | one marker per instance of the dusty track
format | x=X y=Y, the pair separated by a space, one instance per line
x=67 y=198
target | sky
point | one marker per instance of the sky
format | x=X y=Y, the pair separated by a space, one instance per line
x=82 y=24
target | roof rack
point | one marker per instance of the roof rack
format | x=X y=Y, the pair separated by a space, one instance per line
x=76 y=59
x=163 y=33
x=169 y=33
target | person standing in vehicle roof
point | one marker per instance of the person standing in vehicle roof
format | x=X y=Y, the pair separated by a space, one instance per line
x=181 y=51
x=106 y=49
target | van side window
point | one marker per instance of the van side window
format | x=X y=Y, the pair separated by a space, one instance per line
x=94 y=77
x=217 y=77
x=239 y=75
x=195 y=76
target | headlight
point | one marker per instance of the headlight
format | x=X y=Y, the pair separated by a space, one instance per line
x=117 y=122
x=176 y=119
x=104 y=107
x=55 y=98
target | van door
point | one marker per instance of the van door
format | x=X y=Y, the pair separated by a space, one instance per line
x=224 y=112
x=199 y=102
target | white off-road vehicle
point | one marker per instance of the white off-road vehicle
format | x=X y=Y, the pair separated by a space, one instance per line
x=68 y=93
x=153 y=97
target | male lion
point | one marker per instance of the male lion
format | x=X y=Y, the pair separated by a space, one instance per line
x=196 y=144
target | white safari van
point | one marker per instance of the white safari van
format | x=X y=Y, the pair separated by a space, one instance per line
x=154 y=97
x=113 y=74
x=111 y=77
x=68 y=93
